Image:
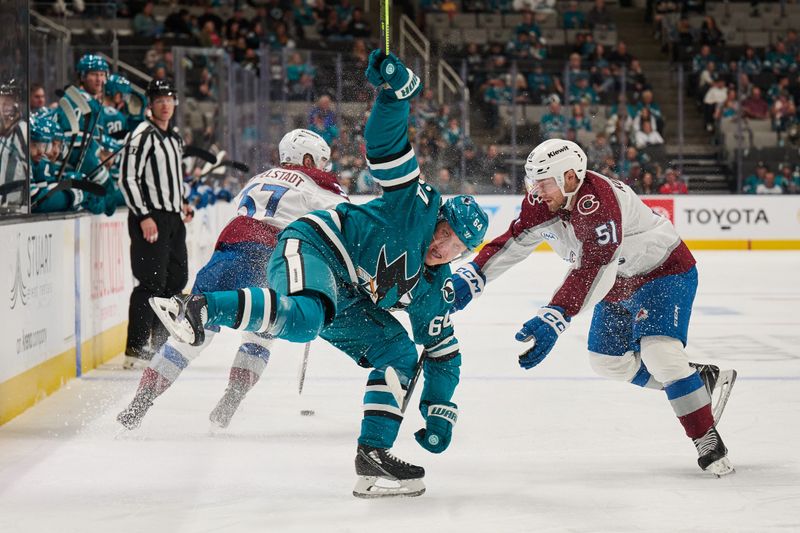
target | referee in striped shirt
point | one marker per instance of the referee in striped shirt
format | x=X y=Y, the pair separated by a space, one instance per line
x=151 y=179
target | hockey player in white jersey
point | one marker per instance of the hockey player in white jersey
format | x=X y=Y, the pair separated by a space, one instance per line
x=631 y=267
x=267 y=204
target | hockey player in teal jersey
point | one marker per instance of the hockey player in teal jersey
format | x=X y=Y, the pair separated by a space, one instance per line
x=337 y=274
x=116 y=92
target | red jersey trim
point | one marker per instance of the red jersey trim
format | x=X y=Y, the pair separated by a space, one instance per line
x=246 y=229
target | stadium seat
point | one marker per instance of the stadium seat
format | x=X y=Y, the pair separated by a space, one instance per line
x=434 y=21
x=500 y=35
x=464 y=21
x=512 y=20
x=477 y=36
x=490 y=20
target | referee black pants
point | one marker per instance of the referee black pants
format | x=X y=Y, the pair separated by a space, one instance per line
x=161 y=269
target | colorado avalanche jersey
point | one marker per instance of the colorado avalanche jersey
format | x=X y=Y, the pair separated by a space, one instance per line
x=273 y=199
x=613 y=241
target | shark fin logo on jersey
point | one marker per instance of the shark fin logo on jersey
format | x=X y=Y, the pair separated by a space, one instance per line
x=588 y=204
x=389 y=279
x=448 y=291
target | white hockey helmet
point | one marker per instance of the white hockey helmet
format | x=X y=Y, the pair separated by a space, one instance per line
x=552 y=159
x=297 y=143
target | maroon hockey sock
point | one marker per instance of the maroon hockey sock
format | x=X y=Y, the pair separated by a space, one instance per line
x=242 y=379
x=697 y=423
x=153 y=381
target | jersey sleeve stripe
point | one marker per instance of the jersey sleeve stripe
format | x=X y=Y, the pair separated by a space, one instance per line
x=391 y=161
x=441 y=352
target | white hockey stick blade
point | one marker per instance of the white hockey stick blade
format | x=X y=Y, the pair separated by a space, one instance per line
x=721 y=467
x=722 y=391
x=78 y=99
x=168 y=312
x=370 y=487
x=69 y=112
x=393 y=382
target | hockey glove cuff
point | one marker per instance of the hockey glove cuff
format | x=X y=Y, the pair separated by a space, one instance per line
x=439 y=421
x=544 y=330
x=402 y=80
x=468 y=283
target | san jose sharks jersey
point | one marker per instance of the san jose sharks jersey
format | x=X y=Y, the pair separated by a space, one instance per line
x=380 y=246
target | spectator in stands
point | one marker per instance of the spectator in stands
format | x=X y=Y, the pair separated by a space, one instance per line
x=702 y=59
x=710 y=34
x=646 y=102
x=646 y=184
x=604 y=83
x=492 y=161
x=179 y=22
x=785 y=177
x=630 y=160
x=784 y=113
x=210 y=15
x=208 y=37
x=333 y=28
x=346 y=180
x=575 y=69
x=620 y=56
x=280 y=39
x=326 y=130
x=519 y=46
x=529 y=26
x=750 y=63
x=598 y=151
x=706 y=79
x=672 y=183
x=769 y=185
x=573 y=18
x=754 y=107
x=648 y=136
x=792 y=42
x=499 y=184
x=324 y=110
x=538 y=51
x=473 y=163
x=344 y=9
x=154 y=55
x=303 y=17
x=715 y=96
x=321 y=11
x=778 y=60
x=729 y=108
x=144 y=23
x=636 y=80
x=542 y=85
x=358 y=27
x=781 y=85
x=579 y=121
x=496 y=94
x=553 y=124
x=445 y=183
x=453 y=134
x=587 y=46
x=583 y=92
x=599 y=17
x=300 y=78
x=38 y=99
x=752 y=181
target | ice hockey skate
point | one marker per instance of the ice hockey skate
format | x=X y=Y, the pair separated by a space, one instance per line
x=136 y=358
x=183 y=315
x=131 y=417
x=226 y=407
x=382 y=475
x=719 y=382
x=713 y=455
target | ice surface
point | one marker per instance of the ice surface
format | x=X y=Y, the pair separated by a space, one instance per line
x=549 y=449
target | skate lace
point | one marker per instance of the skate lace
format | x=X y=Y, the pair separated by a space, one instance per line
x=707 y=443
x=396 y=459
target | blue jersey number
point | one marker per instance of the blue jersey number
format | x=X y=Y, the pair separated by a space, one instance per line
x=249 y=203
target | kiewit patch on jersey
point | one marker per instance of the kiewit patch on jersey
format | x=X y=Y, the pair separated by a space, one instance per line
x=588 y=204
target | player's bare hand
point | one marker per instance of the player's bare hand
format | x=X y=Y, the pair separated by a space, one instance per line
x=149 y=229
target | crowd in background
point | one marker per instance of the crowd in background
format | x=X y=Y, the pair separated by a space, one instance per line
x=576 y=83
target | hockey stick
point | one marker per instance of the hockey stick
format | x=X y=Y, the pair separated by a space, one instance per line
x=236 y=165
x=393 y=382
x=199 y=153
x=88 y=133
x=385 y=25
x=12 y=186
x=301 y=378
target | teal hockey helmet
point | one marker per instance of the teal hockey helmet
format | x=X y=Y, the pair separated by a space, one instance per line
x=117 y=84
x=41 y=129
x=468 y=220
x=90 y=63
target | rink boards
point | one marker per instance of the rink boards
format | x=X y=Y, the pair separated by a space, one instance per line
x=64 y=307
